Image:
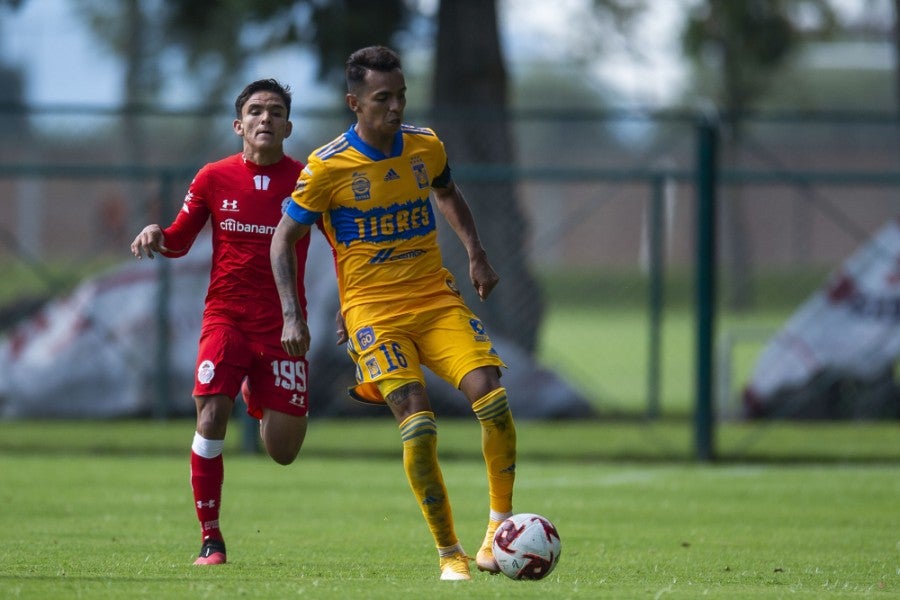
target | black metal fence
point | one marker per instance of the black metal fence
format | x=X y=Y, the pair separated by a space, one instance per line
x=611 y=203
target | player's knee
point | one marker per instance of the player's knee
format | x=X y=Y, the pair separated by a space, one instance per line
x=283 y=448
x=405 y=397
x=282 y=436
x=283 y=460
x=284 y=455
x=479 y=382
x=212 y=416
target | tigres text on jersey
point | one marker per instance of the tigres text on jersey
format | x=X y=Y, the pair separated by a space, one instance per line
x=378 y=217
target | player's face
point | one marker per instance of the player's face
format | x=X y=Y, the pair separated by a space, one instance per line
x=263 y=123
x=379 y=103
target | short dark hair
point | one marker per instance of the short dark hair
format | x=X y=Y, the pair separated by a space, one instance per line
x=264 y=85
x=371 y=58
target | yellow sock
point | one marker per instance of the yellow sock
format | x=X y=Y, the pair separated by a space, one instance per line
x=419 y=435
x=498 y=444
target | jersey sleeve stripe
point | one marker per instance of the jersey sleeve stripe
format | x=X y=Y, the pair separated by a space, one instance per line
x=335 y=147
x=412 y=129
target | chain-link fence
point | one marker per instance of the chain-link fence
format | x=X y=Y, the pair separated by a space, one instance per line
x=607 y=202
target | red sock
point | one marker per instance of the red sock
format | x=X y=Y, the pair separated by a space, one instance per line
x=207 y=475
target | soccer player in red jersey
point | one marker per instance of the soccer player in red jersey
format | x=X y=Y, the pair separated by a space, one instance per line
x=244 y=196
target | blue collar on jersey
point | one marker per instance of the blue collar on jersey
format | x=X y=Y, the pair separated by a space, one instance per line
x=369 y=151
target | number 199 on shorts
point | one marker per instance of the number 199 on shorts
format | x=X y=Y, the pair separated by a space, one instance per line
x=290 y=374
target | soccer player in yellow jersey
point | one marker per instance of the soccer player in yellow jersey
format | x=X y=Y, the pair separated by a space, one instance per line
x=372 y=188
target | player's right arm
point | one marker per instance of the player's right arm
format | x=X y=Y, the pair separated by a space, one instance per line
x=295 y=332
x=176 y=239
x=309 y=200
x=151 y=239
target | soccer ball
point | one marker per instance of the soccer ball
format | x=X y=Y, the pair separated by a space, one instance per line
x=526 y=546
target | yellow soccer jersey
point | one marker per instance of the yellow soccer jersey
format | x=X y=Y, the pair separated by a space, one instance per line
x=377 y=215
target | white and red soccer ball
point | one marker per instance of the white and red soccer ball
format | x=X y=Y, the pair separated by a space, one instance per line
x=526 y=546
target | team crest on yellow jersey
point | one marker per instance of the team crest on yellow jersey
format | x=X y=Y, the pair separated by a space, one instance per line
x=361 y=186
x=419 y=170
x=373 y=368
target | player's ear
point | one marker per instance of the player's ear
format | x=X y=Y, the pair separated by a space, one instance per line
x=288 y=128
x=238 y=127
x=352 y=102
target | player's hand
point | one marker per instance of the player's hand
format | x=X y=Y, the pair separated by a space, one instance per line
x=483 y=276
x=149 y=240
x=295 y=337
x=340 y=328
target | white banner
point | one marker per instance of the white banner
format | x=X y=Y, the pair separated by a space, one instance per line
x=848 y=329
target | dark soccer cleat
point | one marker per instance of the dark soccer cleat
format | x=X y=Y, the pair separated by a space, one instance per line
x=212 y=553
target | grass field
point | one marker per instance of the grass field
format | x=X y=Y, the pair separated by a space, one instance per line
x=604 y=354
x=103 y=510
x=596 y=334
x=789 y=509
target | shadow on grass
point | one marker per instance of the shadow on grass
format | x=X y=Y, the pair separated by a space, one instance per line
x=594 y=441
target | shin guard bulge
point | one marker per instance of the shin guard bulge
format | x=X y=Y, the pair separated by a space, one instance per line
x=419 y=435
x=498 y=444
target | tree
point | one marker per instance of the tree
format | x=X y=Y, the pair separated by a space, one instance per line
x=232 y=30
x=743 y=43
x=470 y=105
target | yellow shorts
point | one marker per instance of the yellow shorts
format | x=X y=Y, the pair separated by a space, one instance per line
x=450 y=341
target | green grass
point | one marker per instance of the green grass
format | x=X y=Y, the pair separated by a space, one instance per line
x=596 y=333
x=604 y=353
x=800 y=510
x=103 y=510
x=23 y=281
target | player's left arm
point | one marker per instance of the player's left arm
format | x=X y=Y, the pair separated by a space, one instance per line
x=452 y=204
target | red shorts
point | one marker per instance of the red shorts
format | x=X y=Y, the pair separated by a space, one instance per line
x=227 y=355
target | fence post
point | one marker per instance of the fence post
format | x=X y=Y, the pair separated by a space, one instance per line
x=707 y=139
x=655 y=292
x=162 y=408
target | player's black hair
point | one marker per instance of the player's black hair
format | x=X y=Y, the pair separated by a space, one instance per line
x=371 y=58
x=264 y=85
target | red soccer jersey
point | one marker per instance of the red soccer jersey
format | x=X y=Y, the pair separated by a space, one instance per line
x=245 y=202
